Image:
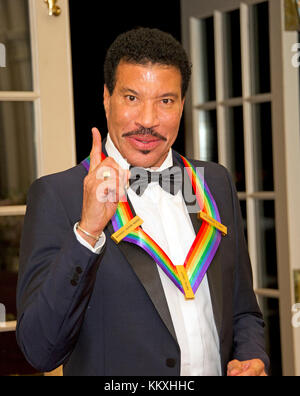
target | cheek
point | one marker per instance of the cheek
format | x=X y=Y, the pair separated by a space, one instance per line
x=171 y=122
x=122 y=119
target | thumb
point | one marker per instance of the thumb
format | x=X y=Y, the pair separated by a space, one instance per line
x=234 y=368
x=95 y=156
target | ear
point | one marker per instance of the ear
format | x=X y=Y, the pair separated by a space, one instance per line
x=106 y=100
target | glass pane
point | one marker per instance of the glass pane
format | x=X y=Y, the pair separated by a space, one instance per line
x=263 y=147
x=207 y=89
x=12 y=361
x=17 y=152
x=244 y=216
x=208 y=137
x=270 y=310
x=235 y=145
x=10 y=235
x=260 y=48
x=232 y=47
x=266 y=242
x=15 y=36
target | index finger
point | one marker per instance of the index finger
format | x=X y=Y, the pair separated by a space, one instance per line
x=95 y=156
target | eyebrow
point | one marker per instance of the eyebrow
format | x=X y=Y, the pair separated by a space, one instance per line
x=167 y=94
x=126 y=90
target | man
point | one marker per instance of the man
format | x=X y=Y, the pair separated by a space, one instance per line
x=102 y=308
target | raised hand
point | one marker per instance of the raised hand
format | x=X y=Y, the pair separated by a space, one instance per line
x=104 y=187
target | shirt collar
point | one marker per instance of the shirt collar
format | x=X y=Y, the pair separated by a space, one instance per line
x=114 y=153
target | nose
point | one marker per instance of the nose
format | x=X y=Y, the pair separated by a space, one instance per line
x=148 y=116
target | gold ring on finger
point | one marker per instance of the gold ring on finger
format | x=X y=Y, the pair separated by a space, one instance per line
x=106 y=175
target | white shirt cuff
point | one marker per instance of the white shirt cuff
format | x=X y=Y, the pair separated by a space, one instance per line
x=99 y=245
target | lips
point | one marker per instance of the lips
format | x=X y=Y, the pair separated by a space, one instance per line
x=144 y=142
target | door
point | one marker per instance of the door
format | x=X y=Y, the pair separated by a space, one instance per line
x=37 y=134
x=243 y=112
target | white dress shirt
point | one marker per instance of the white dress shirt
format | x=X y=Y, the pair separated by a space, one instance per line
x=165 y=217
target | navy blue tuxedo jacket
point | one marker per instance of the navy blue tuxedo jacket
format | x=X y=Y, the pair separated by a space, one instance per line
x=107 y=315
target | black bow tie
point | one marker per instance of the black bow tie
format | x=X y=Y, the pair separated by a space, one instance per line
x=170 y=179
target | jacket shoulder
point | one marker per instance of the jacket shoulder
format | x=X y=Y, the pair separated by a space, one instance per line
x=63 y=188
x=70 y=176
x=63 y=182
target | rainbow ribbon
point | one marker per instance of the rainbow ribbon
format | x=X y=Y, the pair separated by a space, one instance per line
x=204 y=246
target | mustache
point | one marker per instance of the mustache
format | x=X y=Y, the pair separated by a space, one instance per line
x=145 y=132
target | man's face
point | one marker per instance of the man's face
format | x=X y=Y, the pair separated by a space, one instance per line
x=144 y=112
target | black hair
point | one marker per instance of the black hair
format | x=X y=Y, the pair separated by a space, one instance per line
x=143 y=46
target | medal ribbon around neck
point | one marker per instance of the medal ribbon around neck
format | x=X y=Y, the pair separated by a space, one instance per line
x=204 y=246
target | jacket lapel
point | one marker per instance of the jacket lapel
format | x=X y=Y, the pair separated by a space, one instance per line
x=146 y=271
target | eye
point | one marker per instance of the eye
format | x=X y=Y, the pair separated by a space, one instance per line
x=167 y=101
x=131 y=98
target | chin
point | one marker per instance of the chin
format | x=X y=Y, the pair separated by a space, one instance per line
x=145 y=160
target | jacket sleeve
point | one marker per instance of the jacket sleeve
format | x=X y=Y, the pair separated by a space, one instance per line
x=248 y=323
x=56 y=279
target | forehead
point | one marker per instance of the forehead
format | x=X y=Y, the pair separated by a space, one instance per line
x=148 y=76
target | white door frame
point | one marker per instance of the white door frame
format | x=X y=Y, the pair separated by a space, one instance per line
x=52 y=97
x=286 y=146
